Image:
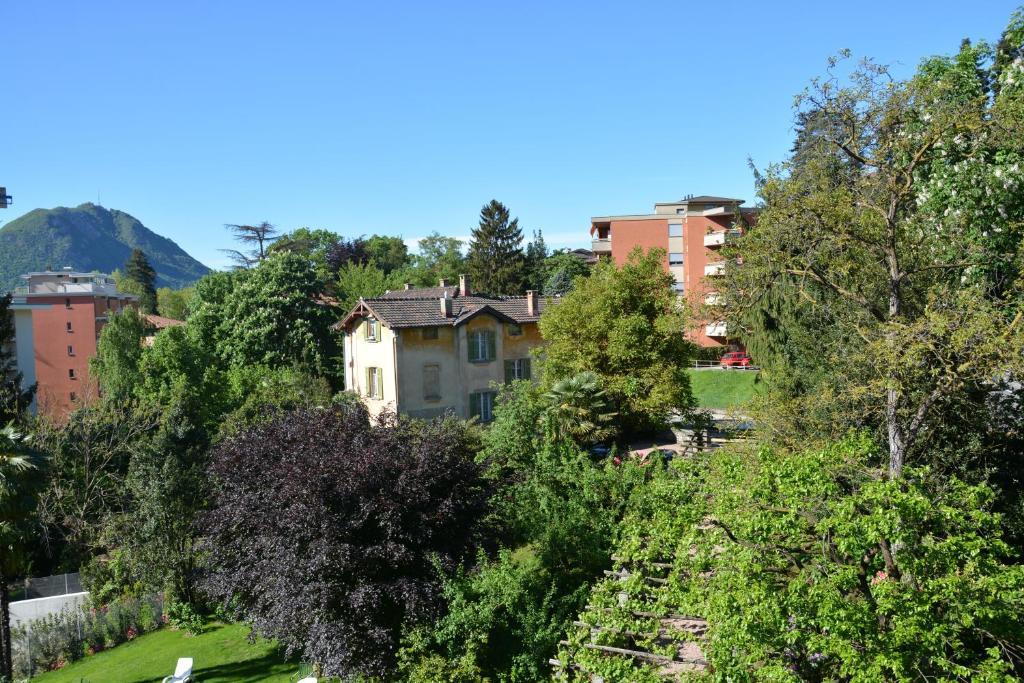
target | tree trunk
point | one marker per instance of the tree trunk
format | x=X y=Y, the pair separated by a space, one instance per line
x=897 y=435
x=6 y=664
x=897 y=440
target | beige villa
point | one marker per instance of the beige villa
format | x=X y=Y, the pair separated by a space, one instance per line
x=425 y=351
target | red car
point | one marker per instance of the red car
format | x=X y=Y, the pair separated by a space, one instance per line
x=736 y=359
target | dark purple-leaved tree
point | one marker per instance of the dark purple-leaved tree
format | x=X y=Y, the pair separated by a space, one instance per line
x=327 y=530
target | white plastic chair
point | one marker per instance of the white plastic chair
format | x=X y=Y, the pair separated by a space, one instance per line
x=182 y=672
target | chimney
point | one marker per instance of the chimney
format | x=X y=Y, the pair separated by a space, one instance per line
x=442 y=283
x=446 y=305
x=532 y=304
x=407 y=286
x=464 y=286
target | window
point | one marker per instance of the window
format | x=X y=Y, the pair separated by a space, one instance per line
x=73 y=396
x=675 y=229
x=371 y=329
x=481 y=346
x=67 y=303
x=71 y=373
x=430 y=333
x=680 y=210
x=678 y=287
x=517 y=369
x=68 y=326
x=481 y=405
x=71 y=350
x=514 y=330
x=432 y=382
x=675 y=258
x=375 y=383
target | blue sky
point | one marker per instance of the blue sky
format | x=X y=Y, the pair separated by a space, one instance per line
x=404 y=118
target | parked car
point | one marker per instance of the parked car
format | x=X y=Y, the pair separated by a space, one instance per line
x=736 y=359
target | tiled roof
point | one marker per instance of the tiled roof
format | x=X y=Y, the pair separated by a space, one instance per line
x=160 y=322
x=416 y=309
x=419 y=293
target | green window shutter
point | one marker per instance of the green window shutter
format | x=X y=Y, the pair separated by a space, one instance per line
x=369 y=382
x=510 y=371
x=526 y=369
x=366 y=329
x=491 y=353
x=380 y=383
x=474 y=405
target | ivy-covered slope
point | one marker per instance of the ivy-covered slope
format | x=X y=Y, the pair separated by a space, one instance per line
x=88 y=237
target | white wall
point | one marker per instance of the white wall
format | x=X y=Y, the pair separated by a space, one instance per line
x=29 y=610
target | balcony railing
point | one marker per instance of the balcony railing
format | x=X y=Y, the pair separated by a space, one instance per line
x=717 y=239
x=713 y=299
x=601 y=245
x=715 y=329
x=713 y=269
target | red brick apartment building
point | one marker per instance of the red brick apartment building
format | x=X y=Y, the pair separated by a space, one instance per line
x=692 y=232
x=58 y=316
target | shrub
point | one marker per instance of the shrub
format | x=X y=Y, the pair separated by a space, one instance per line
x=183 y=617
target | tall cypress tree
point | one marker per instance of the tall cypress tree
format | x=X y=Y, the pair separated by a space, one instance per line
x=138 y=269
x=496 y=262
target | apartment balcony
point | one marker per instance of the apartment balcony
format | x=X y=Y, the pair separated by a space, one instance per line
x=714 y=269
x=713 y=299
x=715 y=329
x=717 y=239
x=601 y=245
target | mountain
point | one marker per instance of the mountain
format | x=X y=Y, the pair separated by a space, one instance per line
x=89 y=237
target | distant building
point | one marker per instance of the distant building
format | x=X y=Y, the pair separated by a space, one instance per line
x=58 y=316
x=692 y=232
x=423 y=352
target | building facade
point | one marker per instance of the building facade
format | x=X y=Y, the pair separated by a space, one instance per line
x=58 y=316
x=692 y=231
x=423 y=352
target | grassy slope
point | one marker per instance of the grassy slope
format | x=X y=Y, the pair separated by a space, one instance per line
x=722 y=389
x=222 y=653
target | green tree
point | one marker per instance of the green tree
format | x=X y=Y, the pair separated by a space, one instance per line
x=19 y=464
x=910 y=245
x=535 y=256
x=256 y=240
x=116 y=363
x=496 y=262
x=173 y=303
x=276 y=316
x=139 y=270
x=366 y=280
x=560 y=271
x=626 y=325
x=14 y=400
x=578 y=408
x=438 y=258
x=388 y=253
x=315 y=245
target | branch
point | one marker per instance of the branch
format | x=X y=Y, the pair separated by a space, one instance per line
x=845 y=293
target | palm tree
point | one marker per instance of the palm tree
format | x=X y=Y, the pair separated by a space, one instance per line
x=579 y=409
x=17 y=461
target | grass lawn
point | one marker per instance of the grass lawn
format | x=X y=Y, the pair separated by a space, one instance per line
x=222 y=653
x=722 y=389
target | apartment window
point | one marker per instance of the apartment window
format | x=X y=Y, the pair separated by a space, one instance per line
x=432 y=382
x=481 y=405
x=430 y=333
x=675 y=258
x=71 y=373
x=67 y=303
x=375 y=383
x=678 y=287
x=517 y=369
x=371 y=329
x=68 y=326
x=73 y=396
x=675 y=229
x=515 y=330
x=71 y=350
x=481 y=346
x=680 y=210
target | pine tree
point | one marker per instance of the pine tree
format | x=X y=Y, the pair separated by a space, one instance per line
x=138 y=269
x=536 y=253
x=260 y=237
x=496 y=262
